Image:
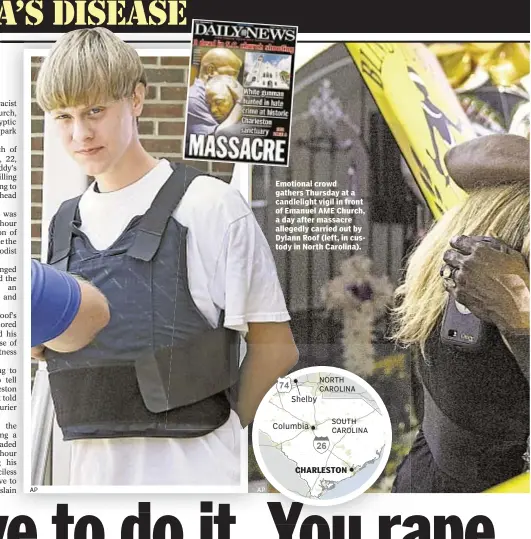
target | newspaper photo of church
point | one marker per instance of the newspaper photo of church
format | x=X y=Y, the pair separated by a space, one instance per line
x=264 y=70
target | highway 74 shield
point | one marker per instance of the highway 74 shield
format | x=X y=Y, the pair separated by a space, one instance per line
x=284 y=385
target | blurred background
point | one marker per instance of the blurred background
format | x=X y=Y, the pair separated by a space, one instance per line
x=338 y=134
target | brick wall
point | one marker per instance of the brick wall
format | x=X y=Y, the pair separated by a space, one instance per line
x=161 y=128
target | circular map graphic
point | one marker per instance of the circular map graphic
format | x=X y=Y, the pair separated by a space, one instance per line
x=322 y=436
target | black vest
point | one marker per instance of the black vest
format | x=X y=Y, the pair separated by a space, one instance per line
x=158 y=369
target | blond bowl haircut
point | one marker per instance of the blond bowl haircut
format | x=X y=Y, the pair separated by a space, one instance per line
x=501 y=212
x=88 y=67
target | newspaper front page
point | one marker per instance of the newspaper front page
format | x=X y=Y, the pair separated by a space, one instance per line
x=201 y=277
x=250 y=116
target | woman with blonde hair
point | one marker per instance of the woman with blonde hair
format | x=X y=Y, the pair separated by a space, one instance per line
x=475 y=422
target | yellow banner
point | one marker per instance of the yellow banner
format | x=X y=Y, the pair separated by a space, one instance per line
x=518 y=484
x=421 y=109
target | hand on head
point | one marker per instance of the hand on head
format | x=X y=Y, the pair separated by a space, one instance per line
x=222 y=93
x=490 y=279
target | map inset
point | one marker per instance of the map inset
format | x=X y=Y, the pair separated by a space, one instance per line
x=322 y=436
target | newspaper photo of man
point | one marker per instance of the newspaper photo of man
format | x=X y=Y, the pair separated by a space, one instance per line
x=241 y=92
x=214 y=101
x=161 y=394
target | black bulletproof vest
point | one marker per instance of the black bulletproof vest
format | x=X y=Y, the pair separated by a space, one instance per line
x=158 y=369
x=476 y=410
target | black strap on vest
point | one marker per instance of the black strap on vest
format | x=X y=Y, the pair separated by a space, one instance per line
x=154 y=221
x=62 y=233
x=150 y=229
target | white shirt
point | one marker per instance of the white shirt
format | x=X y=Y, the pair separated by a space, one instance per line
x=230 y=267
